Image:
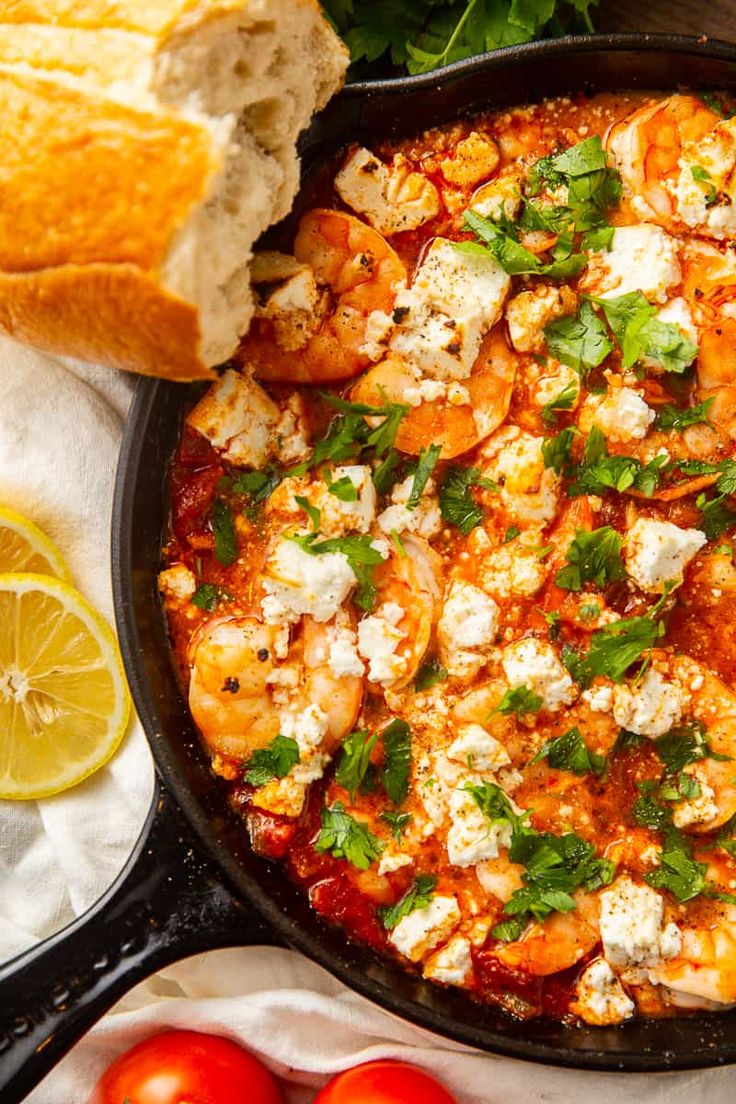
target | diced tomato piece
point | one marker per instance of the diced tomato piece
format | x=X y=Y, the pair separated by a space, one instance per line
x=270 y=835
x=337 y=899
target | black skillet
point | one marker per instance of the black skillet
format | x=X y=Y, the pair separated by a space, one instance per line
x=192 y=883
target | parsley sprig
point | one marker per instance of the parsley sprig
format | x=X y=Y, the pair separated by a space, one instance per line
x=601 y=472
x=396 y=739
x=274 y=761
x=418 y=895
x=570 y=752
x=592 y=557
x=501 y=240
x=358 y=551
x=640 y=334
x=457 y=505
x=520 y=700
x=614 y=648
x=354 y=769
x=347 y=838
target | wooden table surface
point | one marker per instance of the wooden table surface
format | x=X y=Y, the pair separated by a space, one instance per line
x=715 y=18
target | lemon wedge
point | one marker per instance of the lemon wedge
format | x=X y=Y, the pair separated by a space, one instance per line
x=64 y=703
x=25 y=547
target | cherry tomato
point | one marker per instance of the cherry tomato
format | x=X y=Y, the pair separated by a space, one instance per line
x=186 y=1067
x=384 y=1082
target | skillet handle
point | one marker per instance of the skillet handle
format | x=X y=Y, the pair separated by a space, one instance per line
x=169 y=902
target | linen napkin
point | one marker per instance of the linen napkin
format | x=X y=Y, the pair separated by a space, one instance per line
x=60 y=429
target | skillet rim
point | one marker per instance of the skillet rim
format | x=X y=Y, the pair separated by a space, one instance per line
x=708 y=1050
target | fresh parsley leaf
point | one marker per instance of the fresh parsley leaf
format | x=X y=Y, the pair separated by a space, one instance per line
x=344 y=489
x=457 y=505
x=350 y=435
x=257 y=485
x=311 y=511
x=429 y=674
x=675 y=417
x=616 y=646
x=396 y=738
x=386 y=473
x=639 y=333
x=592 y=557
x=494 y=803
x=579 y=160
x=501 y=240
x=678 y=871
x=274 y=761
x=418 y=896
x=360 y=554
x=570 y=752
x=354 y=769
x=683 y=745
x=511 y=533
x=579 y=340
x=223 y=527
x=717 y=518
x=397 y=822
x=208 y=596
x=347 y=838
x=627 y=741
x=564 y=401
x=557 y=451
x=425 y=466
x=520 y=700
x=601 y=472
x=647 y=812
x=589 y=611
x=703 y=177
x=599 y=239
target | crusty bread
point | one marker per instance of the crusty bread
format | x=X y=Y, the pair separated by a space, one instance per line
x=145 y=145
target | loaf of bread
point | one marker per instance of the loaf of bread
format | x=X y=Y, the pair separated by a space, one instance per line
x=145 y=145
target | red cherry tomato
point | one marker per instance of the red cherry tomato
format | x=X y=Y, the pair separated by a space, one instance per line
x=384 y=1082
x=186 y=1067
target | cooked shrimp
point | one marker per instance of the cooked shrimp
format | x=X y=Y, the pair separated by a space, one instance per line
x=705 y=969
x=558 y=943
x=360 y=272
x=646 y=148
x=482 y=400
x=239 y=690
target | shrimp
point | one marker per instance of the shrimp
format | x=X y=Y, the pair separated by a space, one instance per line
x=239 y=690
x=646 y=148
x=557 y=943
x=710 y=289
x=482 y=400
x=342 y=271
x=408 y=595
x=704 y=972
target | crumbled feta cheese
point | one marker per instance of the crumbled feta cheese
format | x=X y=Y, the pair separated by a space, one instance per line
x=378 y=328
x=292 y=438
x=308 y=727
x=467 y=626
x=500 y=197
x=392 y=197
x=657 y=552
x=425 y=519
x=528 y=488
x=600 y=997
x=472 y=837
x=622 y=415
x=338 y=516
x=631 y=925
x=530 y=311
x=715 y=157
x=378 y=639
x=393 y=860
x=282 y=796
x=342 y=658
x=557 y=378
x=515 y=569
x=177 y=583
x=472 y=159
x=238 y=419
x=697 y=810
x=651 y=707
x=454 y=300
x=452 y=964
x=288 y=296
x=477 y=749
x=599 y=698
x=425 y=928
x=297 y=583
x=641 y=258
x=533 y=663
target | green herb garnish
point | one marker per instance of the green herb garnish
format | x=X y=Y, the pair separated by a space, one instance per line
x=223 y=528
x=570 y=752
x=354 y=769
x=347 y=838
x=418 y=896
x=520 y=700
x=274 y=761
x=396 y=738
x=592 y=557
x=429 y=674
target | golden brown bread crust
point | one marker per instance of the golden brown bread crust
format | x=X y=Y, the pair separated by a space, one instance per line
x=154 y=17
x=108 y=314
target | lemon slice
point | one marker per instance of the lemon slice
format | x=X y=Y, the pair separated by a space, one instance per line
x=25 y=547
x=64 y=703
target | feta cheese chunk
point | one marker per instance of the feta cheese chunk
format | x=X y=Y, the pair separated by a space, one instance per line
x=425 y=519
x=641 y=258
x=599 y=698
x=467 y=627
x=177 y=583
x=297 y=583
x=472 y=837
x=651 y=707
x=600 y=998
x=705 y=190
x=288 y=297
x=696 y=810
x=308 y=727
x=530 y=311
x=342 y=656
x=499 y=197
x=478 y=750
x=453 y=301
x=631 y=925
x=472 y=159
x=533 y=663
x=622 y=415
x=337 y=515
x=528 y=489
x=452 y=964
x=393 y=860
x=425 y=928
x=392 y=197
x=657 y=552
x=238 y=419
x=378 y=638
x=514 y=569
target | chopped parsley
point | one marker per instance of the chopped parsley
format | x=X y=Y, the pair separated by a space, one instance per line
x=592 y=557
x=311 y=511
x=344 y=489
x=592 y=189
x=417 y=896
x=511 y=533
x=675 y=417
x=501 y=240
x=457 y=505
x=354 y=769
x=678 y=871
x=347 y=838
x=716 y=517
x=494 y=803
x=615 y=647
x=579 y=340
x=601 y=472
x=223 y=528
x=639 y=333
x=425 y=466
x=208 y=596
x=520 y=700
x=397 y=822
x=274 y=761
x=255 y=485
x=350 y=436
x=685 y=744
x=360 y=554
x=647 y=811
x=570 y=752
x=703 y=177
x=396 y=738
x=429 y=674
x=557 y=451
x=564 y=401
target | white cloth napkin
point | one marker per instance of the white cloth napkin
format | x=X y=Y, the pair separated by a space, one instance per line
x=60 y=429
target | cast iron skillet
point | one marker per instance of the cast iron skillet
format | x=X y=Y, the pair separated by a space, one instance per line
x=192 y=883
